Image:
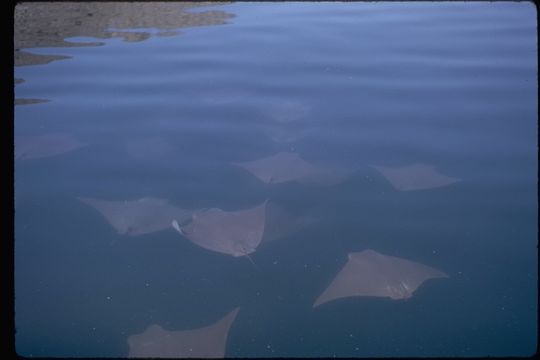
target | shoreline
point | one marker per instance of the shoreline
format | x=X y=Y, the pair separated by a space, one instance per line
x=48 y=24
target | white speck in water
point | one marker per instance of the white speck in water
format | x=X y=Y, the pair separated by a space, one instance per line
x=108 y=298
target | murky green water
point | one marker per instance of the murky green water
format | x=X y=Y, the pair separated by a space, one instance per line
x=441 y=95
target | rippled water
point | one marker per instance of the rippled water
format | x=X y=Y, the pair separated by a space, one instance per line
x=164 y=110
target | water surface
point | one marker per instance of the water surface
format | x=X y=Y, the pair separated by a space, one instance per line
x=165 y=112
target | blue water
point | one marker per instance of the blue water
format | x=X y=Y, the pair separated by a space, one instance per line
x=452 y=85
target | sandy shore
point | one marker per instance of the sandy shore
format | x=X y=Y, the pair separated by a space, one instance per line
x=48 y=24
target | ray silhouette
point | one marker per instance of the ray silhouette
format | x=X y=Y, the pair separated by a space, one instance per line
x=235 y=233
x=286 y=134
x=287 y=111
x=205 y=342
x=369 y=273
x=138 y=217
x=40 y=146
x=289 y=166
x=240 y=232
x=415 y=177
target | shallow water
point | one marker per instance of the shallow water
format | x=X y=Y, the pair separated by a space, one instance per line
x=345 y=85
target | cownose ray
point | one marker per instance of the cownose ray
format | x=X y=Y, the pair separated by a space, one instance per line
x=205 y=342
x=235 y=233
x=286 y=134
x=369 y=273
x=415 y=177
x=241 y=232
x=289 y=166
x=41 y=146
x=286 y=125
x=287 y=111
x=138 y=217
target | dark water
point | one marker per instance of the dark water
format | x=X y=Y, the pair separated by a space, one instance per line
x=452 y=85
